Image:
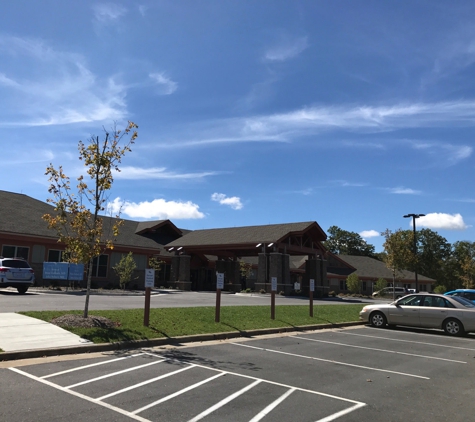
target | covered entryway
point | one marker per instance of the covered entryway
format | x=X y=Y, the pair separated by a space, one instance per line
x=221 y=250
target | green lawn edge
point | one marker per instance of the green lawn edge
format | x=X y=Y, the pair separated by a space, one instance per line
x=176 y=322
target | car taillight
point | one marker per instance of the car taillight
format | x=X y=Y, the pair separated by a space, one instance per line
x=31 y=271
x=3 y=270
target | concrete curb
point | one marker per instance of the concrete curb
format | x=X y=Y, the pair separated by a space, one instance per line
x=105 y=347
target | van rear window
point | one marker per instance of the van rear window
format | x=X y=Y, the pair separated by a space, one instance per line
x=15 y=263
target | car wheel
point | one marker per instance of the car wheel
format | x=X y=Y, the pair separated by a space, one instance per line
x=22 y=290
x=453 y=327
x=377 y=319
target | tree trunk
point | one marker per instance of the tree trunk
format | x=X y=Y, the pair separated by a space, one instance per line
x=88 y=288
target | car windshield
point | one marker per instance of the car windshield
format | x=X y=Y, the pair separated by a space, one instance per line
x=463 y=301
x=15 y=263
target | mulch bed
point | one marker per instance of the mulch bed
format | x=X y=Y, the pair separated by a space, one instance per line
x=70 y=320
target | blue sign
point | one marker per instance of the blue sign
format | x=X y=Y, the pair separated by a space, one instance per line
x=63 y=271
x=55 y=270
x=76 y=272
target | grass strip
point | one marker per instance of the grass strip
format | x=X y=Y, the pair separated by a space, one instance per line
x=174 y=322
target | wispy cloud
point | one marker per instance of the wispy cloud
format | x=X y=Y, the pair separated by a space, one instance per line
x=286 y=49
x=366 y=234
x=108 y=12
x=234 y=202
x=448 y=153
x=157 y=209
x=164 y=84
x=345 y=183
x=442 y=221
x=404 y=191
x=311 y=121
x=138 y=173
x=55 y=87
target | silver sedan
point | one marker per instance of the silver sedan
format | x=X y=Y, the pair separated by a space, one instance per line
x=455 y=315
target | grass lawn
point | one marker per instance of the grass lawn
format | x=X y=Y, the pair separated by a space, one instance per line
x=173 y=322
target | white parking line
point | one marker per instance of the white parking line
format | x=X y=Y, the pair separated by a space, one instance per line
x=90 y=366
x=407 y=341
x=113 y=374
x=272 y=406
x=82 y=396
x=355 y=404
x=224 y=401
x=379 y=350
x=132 y=387
x=191 y=387
x=330 y=361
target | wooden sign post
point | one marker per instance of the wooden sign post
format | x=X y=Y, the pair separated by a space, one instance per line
x=149 y=284
x=219 y=287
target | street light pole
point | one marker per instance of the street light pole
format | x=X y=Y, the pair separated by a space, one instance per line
x=414 y=216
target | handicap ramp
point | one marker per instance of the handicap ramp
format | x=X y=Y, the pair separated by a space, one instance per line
x=20 y=332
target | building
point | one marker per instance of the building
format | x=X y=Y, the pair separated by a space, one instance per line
x=291 y=252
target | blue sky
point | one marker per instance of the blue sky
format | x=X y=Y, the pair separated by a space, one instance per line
x=251 y=112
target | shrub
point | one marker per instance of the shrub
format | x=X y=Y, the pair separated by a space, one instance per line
x=440 y=289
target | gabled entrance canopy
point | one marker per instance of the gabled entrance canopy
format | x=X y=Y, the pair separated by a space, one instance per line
x=235 y=242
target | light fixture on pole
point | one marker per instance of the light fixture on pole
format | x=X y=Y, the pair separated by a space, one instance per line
x=414 y=216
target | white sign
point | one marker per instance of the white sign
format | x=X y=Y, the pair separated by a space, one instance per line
x=312 y=285
x=274 y=284
x=220 y=280
x=296 y=285
x=149 y=278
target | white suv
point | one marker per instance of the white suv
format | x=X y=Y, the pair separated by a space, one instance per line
x=16 y=272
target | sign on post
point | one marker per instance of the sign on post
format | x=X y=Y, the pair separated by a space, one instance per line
x=219 y=286
x=310 y=295
x=273 y=287
x=149 y=278
x=220 y=281
x=149 y=284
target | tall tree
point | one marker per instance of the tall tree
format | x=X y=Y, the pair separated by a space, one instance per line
x=77 y=219
x=397 y=246
x=433 y=253
x=343 y=242
x=463 y=256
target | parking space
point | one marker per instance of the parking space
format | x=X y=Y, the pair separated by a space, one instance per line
x=346 y=374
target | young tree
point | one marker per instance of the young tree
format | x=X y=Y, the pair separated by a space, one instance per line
x=125 y=269
x=353 y=283
x=380 y=284
x=80 y=228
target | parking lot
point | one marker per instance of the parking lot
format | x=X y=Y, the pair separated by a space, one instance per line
x=346 y=374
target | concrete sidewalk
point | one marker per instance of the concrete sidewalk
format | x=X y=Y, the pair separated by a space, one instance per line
x=20 y=332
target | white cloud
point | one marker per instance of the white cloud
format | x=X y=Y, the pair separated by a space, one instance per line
x=159 y=209
x=234 y=202
x=107 y=12
x=286 y=49
x=441 y=221
x=309 y=121
x=448 y=153
x=165 y=85
x=404 y=191
x=365 y=234
x=138 y=173
x=54 y=88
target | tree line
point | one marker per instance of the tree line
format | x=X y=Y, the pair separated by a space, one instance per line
x=451 y=265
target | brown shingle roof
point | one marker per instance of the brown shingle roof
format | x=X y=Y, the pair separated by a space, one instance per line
x=373 y=268
x=243 y=235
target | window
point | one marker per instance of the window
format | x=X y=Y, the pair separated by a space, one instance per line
x=15 y=252
x=364 y=286
x=99 y=266
x=343 y=285
x=55 y=256
x=410 y=301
